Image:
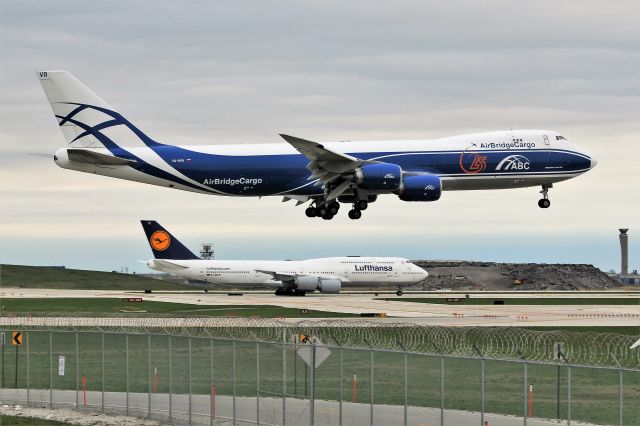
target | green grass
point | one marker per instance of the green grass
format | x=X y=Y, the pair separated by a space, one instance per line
x=594 y=392
x=27 y=421
x=520 y=301
x=59 y=278
x=100 y=305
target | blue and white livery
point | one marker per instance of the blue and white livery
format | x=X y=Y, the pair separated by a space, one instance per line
x=102 y=141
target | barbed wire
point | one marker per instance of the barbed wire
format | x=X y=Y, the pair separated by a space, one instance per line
x=579 y=348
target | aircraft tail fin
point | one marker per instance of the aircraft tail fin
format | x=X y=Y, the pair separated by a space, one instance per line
x=85 y=119
x=163 y=244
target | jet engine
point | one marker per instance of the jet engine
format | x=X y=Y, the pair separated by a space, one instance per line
x=420 y=188
x=379 y=177
x=306 y=283
x=329 y=285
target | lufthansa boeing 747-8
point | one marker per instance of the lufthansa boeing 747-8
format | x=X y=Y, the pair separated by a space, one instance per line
x=288 y=277
x=102 y=141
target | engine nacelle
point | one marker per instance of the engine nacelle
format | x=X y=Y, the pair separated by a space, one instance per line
x=379 y=177
x=330 y=285
x=420 y=188
x=307 y=283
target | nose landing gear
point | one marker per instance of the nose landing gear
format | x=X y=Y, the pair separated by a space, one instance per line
x=544 y=202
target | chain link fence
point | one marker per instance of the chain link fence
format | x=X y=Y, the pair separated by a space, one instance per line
x=237 y=371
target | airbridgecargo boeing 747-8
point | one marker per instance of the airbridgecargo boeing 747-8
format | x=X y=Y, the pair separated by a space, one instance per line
x=289 y=277
x=102 y=141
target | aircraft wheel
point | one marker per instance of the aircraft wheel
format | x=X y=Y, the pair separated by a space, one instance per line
x=327 y=216
x=362 y=205
x=399 y=292
x=544 y=203
x=310 y=212
x=321 y=211
x=355 y=214
x=334 y=207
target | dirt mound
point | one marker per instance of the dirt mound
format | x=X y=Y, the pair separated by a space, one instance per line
x=469 y=275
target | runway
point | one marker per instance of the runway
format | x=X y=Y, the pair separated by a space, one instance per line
x=400 y=311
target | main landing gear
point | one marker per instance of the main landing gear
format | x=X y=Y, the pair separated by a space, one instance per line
x=323 y=210
x=399 y=293
x=544 y=202
x=356 y=212
x=289 y=292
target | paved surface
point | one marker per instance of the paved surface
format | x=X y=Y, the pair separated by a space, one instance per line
x=271 y=410
x=398 y=311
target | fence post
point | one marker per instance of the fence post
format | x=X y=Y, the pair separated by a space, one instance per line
x=371 y=388
x=126 y=361
x=620 y=392
x=568 y=395
x=189 y=379
x=258 y=383
x=77 y=372
x=341 y=390
x=234 y=383
x=170 y=381
x=524 y=397
x=149 y=376
x=211 y=381
x=28 y=385
x=441 y=390
x=51 y=370
x=102 y=396
x=482 y=391
x=312 y=408
x=284 y=376
x=406 y=389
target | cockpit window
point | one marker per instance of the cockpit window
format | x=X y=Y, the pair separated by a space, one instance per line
x=561 y=138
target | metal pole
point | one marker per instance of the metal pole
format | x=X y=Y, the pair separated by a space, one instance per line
x=295 y=367
x=312 y=411
x=371 y=388
x=406 y=390
x=525 y=394
x=3 y=343
x=126 y=361
x=558 y=393
x=341 y=385
x=441 y=390
x=284 y=376
x=481 y=391
x=50 y=370
x=234 y=383
x=28 y=385
x=258 y=383
x=170 y=382
x=189 y=380
x=149 y=376
x=568 y=395
x=211 y=381
x=620 y=396
x=16 y=381
x=102 y=396
x=77 y=371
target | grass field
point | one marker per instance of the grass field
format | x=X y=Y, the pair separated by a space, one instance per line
x=594 y=392
x=100 y=305
x=460 y=300
x=61 y=278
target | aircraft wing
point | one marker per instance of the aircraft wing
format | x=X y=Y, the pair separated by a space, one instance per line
x=326 y=165
x=87 y=156
x=280 y=276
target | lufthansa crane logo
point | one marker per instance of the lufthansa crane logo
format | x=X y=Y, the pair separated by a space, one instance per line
x=472 y=163
x=160 y=240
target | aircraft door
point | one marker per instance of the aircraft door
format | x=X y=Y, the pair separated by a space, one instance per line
x=546 y=140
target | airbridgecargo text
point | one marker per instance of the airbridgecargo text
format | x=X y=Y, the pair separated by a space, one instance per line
x=507 y=145
x=232 y=182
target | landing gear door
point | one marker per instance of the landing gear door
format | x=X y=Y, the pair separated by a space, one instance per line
x=546 y=140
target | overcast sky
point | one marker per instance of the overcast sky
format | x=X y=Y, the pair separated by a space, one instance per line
x=239 y=72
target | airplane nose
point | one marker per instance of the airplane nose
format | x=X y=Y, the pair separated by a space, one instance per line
x=594 y=162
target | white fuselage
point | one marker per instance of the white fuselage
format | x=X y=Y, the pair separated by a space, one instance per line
x=351 y=271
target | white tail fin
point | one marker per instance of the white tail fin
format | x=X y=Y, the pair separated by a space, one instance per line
x=85 y=119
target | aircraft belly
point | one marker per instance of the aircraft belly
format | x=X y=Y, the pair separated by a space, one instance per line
x=467 y=183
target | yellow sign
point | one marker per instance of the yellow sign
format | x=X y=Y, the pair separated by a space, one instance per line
x=17 y=338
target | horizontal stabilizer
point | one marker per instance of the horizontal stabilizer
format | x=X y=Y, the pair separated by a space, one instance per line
x=87 y=156
x=165 y=264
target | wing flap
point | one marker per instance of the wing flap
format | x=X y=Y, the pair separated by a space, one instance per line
x=87 y=156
